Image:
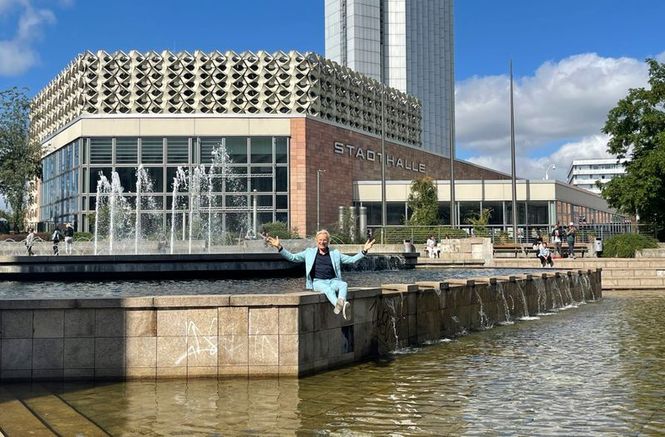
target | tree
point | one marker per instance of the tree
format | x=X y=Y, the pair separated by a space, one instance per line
x=637 y=131
x=480 y=222
x=423 y=202
x=19 y=153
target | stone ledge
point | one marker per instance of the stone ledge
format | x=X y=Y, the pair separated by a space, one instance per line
x=198 y=300
x=283 y=299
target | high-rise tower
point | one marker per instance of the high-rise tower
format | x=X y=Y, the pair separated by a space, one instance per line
x=407 y=44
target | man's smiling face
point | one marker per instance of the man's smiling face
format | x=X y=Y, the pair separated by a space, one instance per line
x=322 y=242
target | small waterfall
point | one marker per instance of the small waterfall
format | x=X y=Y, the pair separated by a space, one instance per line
x=541 y=290
x=504 y=302
x=484 y=321
x=377 y=262
x=394 y=313
x=579 y=286
x=557 y=289
x=457 y=323
x=525 y=306
x=586 y=285
x=569 y=295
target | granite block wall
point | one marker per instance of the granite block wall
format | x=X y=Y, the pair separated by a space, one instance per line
x=282 y=335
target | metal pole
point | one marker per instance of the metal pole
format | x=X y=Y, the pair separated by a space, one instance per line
x=384 y=206
x=254 y=208
x=512 y=155
x=453 y=212
x=318 y=197
x=382 y=75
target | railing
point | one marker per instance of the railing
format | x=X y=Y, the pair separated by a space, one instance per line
x=504 y=233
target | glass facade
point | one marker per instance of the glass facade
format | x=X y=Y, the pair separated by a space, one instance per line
x=59 y=196
x=533 y=217
x=418 y=53
x=259 y=166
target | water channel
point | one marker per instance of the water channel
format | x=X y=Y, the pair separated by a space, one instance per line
x=126 y=288
x=598 y=370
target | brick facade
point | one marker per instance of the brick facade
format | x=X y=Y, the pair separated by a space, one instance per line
x=355 y=157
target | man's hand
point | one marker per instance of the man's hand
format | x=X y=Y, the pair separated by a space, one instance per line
x=273 y=241
x=368 y=245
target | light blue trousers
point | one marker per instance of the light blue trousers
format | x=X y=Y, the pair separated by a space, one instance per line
x=333 y=289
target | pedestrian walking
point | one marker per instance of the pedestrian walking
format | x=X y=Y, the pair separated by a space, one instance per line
x=55 y=238
x=69 y=238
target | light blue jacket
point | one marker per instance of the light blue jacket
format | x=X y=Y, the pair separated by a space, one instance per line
x=309 y=256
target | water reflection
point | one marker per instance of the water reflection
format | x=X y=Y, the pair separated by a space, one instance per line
x=595 y=370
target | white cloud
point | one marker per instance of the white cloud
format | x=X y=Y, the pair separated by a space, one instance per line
x=17 y=53
x=594 y=146
x=562 y=102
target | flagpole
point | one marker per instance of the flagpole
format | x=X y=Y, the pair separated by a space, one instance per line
x=512 y=156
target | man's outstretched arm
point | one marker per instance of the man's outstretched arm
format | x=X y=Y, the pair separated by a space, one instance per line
x=346 y=259
x=293 y=257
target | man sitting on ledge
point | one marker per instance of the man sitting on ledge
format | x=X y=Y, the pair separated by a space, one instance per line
x=323 y=270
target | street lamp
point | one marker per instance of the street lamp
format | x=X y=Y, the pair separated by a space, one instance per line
x=318 y=198
x=551 y=166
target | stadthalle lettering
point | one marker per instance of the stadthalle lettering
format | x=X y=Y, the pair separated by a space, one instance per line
x=370 y=155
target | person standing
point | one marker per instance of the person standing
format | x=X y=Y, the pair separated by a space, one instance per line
x=323 y=270
x=431 y=246
x=557 y=235
x=55 y=238
x=29 y=241
x=570 y=239
x=69 y=238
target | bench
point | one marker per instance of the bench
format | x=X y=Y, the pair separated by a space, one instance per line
x=578 y=250
x=436 y=251
x=513 y=249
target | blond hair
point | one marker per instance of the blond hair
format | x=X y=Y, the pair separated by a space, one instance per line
x=322 y=231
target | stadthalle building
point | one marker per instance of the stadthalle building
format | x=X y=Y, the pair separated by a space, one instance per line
x=286 y=120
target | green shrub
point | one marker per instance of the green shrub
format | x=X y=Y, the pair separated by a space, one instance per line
x=278 y=229
x=625 y=245
x=84 y=236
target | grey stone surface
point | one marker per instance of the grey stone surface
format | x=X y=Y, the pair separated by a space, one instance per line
x=17 y=324
x=16 y=354
x=79 y=353
x=47 y=353
x=80 y=323
x=49 y=323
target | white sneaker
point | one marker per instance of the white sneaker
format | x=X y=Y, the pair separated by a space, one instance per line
x=339 y=306
x=346 y=311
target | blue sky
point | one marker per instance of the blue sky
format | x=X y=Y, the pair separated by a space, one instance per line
x=572 y=59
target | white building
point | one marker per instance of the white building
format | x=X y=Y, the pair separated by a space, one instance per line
x=584 y=173
x=408 y=45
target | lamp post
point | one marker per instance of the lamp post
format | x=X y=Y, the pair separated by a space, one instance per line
x=318 y=198
x=551 y=166
x=255 y=204
x=512 y=157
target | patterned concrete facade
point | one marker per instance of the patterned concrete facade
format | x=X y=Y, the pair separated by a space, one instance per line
x=223 y=83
